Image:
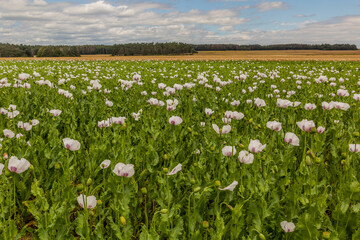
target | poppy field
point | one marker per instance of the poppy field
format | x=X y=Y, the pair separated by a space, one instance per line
x=179 y=150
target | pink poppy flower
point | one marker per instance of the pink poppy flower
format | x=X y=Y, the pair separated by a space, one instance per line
x=72 y=145
x=18 y=166
x=124 y=170
x=88 y=201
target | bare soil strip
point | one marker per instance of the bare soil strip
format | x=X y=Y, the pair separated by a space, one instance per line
x=271 y=55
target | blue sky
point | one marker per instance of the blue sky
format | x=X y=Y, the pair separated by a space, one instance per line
x=203 y=21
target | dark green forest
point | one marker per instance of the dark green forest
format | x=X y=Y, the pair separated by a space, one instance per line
x=132 y=49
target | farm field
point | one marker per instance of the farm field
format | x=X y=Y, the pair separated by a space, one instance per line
x=270 y=55
x=181 y=149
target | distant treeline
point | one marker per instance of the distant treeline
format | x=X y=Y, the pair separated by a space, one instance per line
x=130 y=49
x=173 y=48
x=225 y=47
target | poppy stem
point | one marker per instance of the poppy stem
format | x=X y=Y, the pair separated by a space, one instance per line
x=146 y=215
x=14 y=200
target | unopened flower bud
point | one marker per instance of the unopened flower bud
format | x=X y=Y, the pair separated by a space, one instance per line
x=57 y=166
x=89 y=181
x=197 y=189
x=311 y=153
x=165 y=170
x=144 y=190
x=163 y=211
x=217 y=183
x=261 y=236
x=205 y=224
x=123 y=220
x=326 y=235
x=308 y=160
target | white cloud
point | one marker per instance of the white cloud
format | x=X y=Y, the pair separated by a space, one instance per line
x=102 y=22
x=226 y=28
x=267 y=6
x=98 y=8
x=40 y=2
x=337 y=30
x=226 y=0
x=304 y=16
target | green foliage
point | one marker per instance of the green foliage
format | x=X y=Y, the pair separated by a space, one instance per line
x=314 y=185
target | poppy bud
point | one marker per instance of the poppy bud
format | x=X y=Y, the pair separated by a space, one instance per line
x=165 y=170
x=5 y=156
x=89 y=181
x=217 y=183
x=308 y=160
x=230 y=207
x=326 y=235
x=197 y=189
x=31 y=167
x=357 y=134
x=80 y=187
x=251 y=120
x=164 y=210
x=192 y=180
x=144 y=190
x=7 y=173
x=343 y=162
x=318 y=160
x=212 y=148
x=123 y=220
x=57 y=166
x=311 y=153
x=205 y=224
x=165 y=157
x=99 y=202
x=261 y=236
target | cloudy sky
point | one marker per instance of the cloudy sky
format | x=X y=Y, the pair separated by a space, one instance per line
x=192 y=21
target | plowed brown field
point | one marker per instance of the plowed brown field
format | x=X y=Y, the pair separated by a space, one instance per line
x=283 y=55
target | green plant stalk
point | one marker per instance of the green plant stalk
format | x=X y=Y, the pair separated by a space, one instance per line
x=86 y=216
x=14 y=199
